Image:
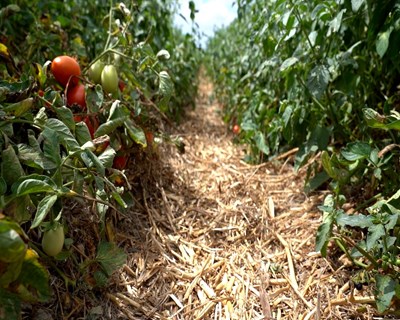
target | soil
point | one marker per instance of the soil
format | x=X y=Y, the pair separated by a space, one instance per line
x=212 y=237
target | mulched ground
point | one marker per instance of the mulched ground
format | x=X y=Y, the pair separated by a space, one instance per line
x=212 y=237
x=217 y=238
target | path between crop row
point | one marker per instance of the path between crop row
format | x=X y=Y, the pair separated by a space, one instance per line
x=222 y=239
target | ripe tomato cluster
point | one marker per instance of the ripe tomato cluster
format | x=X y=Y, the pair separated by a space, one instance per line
x=67 y=73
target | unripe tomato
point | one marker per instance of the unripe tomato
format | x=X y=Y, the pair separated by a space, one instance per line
x=109 y=79
x=95 y=71
x=64 y=68
x=120 y=162
x=53 y=241
x=236 y=129
x=76 y=95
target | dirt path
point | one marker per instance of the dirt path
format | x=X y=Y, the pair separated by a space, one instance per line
x=221 y=239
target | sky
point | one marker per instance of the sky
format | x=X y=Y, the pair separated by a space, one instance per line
x=211 y=14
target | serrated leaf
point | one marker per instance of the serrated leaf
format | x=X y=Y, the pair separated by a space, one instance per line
x=110 y=257
x=66 y=116
x=43 y=209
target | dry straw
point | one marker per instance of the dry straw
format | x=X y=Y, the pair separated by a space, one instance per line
x=217 y=238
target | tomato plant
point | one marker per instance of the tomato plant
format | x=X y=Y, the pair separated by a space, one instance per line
x=65 y=69
x=58 y=145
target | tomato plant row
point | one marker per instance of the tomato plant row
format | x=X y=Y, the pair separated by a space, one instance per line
x=322 y=76
x=80 y=97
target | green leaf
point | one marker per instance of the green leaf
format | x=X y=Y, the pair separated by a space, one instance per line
x=19 y=208
x=382 y=43
x=33 y=280
x=110 y=257
x=166 y=86
x=106 y=157
x=109 y=126
x=288 y=63
x=117 y=197
x=20 y=108
x=356 y=4
x=12 y=247
x=318 y=80
x=385 y=291
x=34 y=158
x=82 y=133
x=10 y=305
x=324 y=234
x=259 y=139
x=318 y=180
x=356 y=151
x=33 y=184
x=11 y=169
x=43 y=209
x=357 y=220
x=136 y=133
x=63 y=132
x=66 y=116
x=95 y=160
x=51 y=146
x=375 y=232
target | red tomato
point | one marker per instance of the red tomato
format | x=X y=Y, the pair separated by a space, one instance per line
x=65 y=68
x=236 y=129
x=149 y=138
x=92 y=123
x=121 y=85
x=76 y=95
x=77 y=118
x=120 y=162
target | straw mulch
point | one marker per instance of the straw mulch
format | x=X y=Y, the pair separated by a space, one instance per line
x=216 y=238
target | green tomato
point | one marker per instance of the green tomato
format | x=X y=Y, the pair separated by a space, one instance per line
x=95 y=71
x=53 y=241
x=109 y=79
